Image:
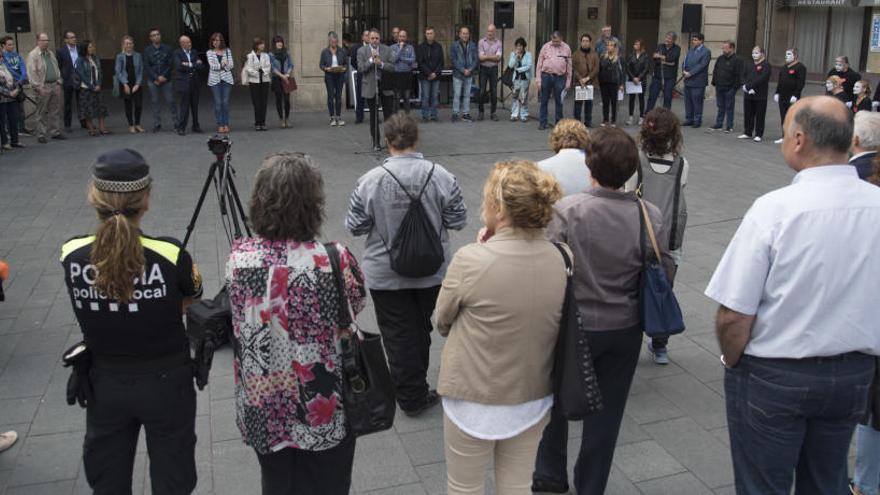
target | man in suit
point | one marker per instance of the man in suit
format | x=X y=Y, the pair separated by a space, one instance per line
x=67 y=56
x=355 y=48
x=865 y=142
x=696 y=77
x=186 y=65
x=373 y=60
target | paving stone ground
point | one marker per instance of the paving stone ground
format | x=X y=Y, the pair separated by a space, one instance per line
x=674 y=437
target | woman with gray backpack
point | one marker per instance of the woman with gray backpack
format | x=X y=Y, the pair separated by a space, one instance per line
x=406 y=207
x=660 y=180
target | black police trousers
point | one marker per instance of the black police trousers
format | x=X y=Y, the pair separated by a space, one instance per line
x=164 y=403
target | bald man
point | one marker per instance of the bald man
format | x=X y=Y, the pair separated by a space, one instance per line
x=187 y=66
x=797 y=322
x=489 y=49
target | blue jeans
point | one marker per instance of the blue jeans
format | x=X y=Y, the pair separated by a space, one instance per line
x=333 y=81
x=587 y=106
x=519 y=109
x=461 y=95
x=667 y=85
x=725 y=98
x=157 y=94
x=430 y=93
x=789 y=416
x=551 y=85
x=693 y=104
x=867 y=472
x=221 y=93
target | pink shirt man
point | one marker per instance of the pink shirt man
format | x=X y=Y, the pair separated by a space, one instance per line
x=555 y=60
x=487 y=47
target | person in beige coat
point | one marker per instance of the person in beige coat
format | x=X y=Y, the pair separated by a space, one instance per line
x=500 y=306
x=45 y=78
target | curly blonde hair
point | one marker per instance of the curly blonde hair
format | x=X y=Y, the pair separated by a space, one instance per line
x=519 y=190
x=569 y=133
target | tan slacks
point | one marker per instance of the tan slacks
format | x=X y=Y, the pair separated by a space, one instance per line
x=467 y=458
x=49 y=112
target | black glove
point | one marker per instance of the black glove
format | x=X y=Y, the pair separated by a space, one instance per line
x=79 y=386
x=203 y=359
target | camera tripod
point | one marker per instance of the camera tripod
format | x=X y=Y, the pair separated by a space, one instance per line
x=222 y=176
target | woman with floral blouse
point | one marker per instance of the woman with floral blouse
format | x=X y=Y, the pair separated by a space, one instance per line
x=285 y=306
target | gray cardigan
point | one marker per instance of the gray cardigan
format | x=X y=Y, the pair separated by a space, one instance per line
x=378 y=205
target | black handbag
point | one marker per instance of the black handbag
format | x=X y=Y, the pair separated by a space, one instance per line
x=575 y=384
x=367 y=391
x=208 y=327
x=507 y=77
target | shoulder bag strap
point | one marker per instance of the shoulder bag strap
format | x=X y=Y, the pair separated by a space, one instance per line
x=333 y=254
x=676 y=199
x=640 y=173
x=410 y=196
x=649 y=228
x=427 y=181
x=569 y=266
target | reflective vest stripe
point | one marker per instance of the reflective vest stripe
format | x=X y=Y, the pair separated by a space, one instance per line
x=74 y=244
x=164 y=249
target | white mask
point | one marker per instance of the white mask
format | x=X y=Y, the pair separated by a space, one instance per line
x=756 y=55
x=838 y=67
x=857 y=89
x=829 y=85
x=789 y=57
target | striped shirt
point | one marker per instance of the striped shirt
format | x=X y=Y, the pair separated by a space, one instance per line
x=217 y=73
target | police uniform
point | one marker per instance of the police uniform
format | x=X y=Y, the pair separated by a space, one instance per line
x=141 y=372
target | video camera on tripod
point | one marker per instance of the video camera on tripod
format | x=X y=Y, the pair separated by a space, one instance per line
x=209 y=322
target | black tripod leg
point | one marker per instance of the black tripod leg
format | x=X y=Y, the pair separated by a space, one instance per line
x=195 y=217
x=237 y=205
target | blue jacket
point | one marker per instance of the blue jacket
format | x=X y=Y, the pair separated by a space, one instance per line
x=122 y=75
x=157 y=61
x=327 y=58
x=696 y=62
x=15 y=65
x=525 y=66
x=277 y=65
x=83 y=73
x=404 y=59
x=462 y=59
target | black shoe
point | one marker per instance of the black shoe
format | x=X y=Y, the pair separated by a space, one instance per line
x=715 y=128
x=60 y=137
x=493 y=118
x=196 y=129
x=181 y=132
x=549 y=486
x=434 y=119
x=697 y=125
x=454 y=118
x=68 y=130
x=688 y=123
x=542 y=127
x=359 y=121
x=431 y=400
x=157 y=128
x=481 y=116
x=18 y=145
x=467 y=117
x=425 y=120
x=42 y=140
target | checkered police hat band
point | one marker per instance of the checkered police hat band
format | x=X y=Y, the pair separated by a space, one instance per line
x=121 y=186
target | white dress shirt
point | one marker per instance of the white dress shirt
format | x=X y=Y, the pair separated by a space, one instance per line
x=570 y=168
x=804 y=261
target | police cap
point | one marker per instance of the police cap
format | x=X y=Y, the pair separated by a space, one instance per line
x=121 y=171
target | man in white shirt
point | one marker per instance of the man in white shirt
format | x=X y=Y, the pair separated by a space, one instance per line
x=865 y=142
x=798 y=319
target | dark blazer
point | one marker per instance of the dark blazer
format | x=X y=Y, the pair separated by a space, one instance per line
x=696 y=62
x=727 y=72
x=429 y=56
x=326 y=59
x=65 y=63
x=184 y=76
x=864 y=164
x=757 y=77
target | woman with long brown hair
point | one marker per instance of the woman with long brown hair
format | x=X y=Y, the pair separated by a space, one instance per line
x=133 y=368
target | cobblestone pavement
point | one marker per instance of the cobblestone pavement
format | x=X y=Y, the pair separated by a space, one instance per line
x=673 y=439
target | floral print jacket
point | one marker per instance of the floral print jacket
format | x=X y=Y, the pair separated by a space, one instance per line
x=288 y=373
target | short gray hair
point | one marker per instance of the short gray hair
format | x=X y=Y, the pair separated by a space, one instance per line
x=674 y=35
x=867 y=128
x=826 y=131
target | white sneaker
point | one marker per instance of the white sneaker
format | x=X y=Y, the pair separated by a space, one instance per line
x=778 y=141
x=744 y=136
x=7 y=440
x=757 y=139
x=629 y=121
x=641 y=120
x=332 y=122
x=340 y=122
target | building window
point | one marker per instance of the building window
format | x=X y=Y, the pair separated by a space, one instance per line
x=360 y=15
x=547 y=22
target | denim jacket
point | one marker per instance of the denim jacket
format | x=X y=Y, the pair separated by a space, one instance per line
x=462 y=59
x=83 y=73
x=525 y=67
x=277 y=65
x=122 y=75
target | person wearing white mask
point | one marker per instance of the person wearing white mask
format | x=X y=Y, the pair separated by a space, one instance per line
x=834 y=87
x=756 y=81
x=861 y=97
x=792 y=78
x=848 y=77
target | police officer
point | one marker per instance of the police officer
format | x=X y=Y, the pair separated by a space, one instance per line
x=129 y=291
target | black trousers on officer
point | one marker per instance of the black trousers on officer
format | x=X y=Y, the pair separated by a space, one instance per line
x=404 y=318
x=164 y=403
x=302 y=472
x=754 y=113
